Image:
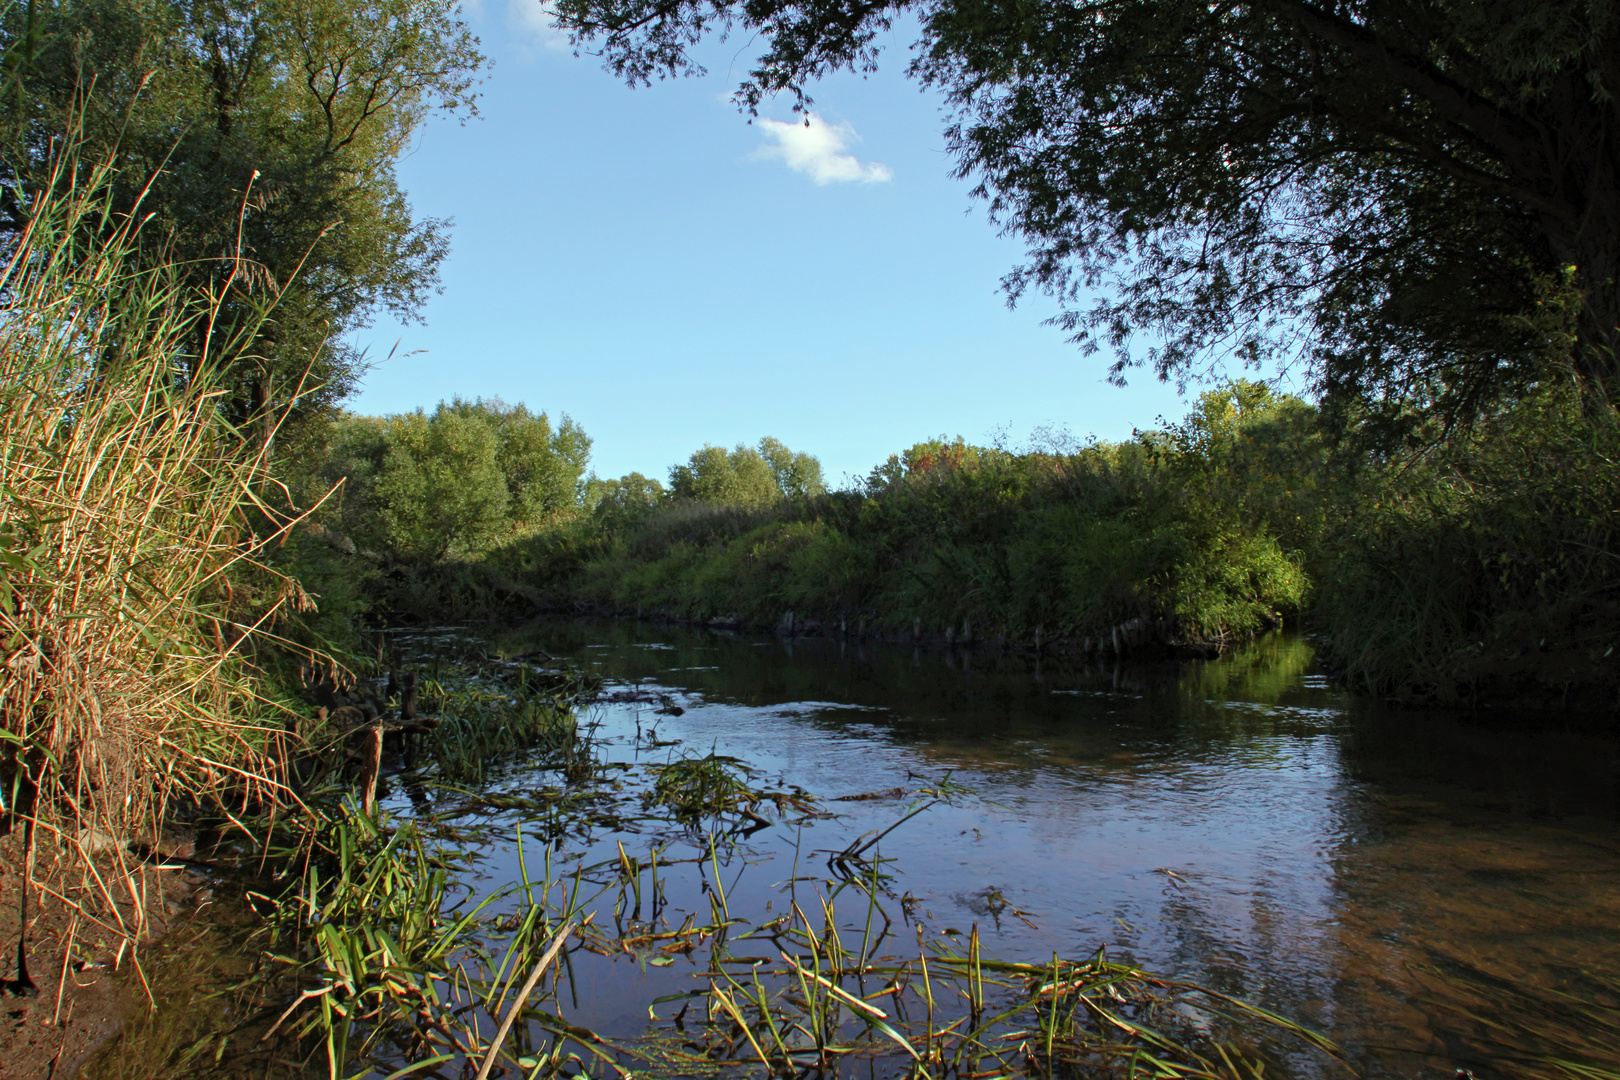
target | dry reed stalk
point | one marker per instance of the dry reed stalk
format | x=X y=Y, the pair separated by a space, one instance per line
x=128 y=505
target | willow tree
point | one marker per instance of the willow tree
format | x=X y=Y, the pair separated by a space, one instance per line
x=747 y=476
x=262 y=134
x=1418 y=199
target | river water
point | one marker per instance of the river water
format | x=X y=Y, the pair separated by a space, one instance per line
x=1432 y=894
x=1421 y=889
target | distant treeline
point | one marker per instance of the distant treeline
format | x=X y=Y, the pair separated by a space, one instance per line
x=1480 y=567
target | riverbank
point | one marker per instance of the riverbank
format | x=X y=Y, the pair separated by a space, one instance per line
x=85 y=988
x=1476 y=572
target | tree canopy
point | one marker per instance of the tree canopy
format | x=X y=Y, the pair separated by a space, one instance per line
x=427 y=486
x=1418 y=200
x=261 y=135
x=616 y=504
x=747 y=476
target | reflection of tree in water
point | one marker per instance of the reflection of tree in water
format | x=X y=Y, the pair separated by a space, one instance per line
x=1259 y=938
x=1263 y=672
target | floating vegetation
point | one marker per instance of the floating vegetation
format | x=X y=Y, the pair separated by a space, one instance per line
x=486 y=709
x=410 y=978
x=811 y=991
x=389 y=958
x=715 y=786
x=824 y=1003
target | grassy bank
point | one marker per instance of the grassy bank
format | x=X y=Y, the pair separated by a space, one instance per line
x=1484 y=571
x=1472 y=567
x=1194 y=535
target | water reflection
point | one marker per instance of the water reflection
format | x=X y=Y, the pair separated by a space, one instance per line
x=1381 y=875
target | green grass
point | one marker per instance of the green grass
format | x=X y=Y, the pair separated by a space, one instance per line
x=697 y=789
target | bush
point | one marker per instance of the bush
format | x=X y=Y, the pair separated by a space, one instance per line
x=1489 y=566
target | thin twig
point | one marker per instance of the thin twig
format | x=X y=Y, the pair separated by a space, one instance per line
x=523 y=996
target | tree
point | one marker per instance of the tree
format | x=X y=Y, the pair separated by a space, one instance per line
x=1420 y=200
x=426 y=486
x=439 y=490
x=745 y=475
x=616 y=504
x=268 y=132
x=797 y=475
x=542 y=466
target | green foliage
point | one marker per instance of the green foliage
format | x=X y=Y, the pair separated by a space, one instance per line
x=1194 y=527
x=422 y=488
x=1488 y=568
x=617 y=504
x=1385 y=192
x=542 y=467
x=746 y=476
x=797 y=475
x=439 y=488
x=261 y=137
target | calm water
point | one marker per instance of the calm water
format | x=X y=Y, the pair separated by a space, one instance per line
x=1420 y=889
x=1377 y=875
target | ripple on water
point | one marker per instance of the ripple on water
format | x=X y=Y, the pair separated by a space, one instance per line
x=1239 y=822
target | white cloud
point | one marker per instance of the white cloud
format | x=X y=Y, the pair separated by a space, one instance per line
x=535 y=21
x=817 y=149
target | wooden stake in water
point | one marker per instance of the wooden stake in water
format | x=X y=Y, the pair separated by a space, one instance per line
x=371 y=769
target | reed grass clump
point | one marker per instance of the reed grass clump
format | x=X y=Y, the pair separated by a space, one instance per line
x=132 y=530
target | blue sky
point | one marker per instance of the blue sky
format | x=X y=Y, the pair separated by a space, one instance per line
x=668 y=274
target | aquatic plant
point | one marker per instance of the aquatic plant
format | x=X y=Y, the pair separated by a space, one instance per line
x=828 y=1003
x=714 y=786
x=822 y=992
x=401 y=967
x=410 y=975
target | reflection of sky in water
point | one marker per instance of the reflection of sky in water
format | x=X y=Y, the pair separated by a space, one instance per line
x=1235 y=822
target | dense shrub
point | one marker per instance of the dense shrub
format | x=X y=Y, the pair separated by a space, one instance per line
x=1489 y=567
x=1172 y=527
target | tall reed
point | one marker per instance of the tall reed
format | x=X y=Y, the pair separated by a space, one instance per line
x=131 y=530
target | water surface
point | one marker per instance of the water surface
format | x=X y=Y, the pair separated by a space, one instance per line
x=1399 y=880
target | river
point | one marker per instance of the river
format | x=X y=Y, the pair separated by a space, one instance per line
x=1425 y=890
